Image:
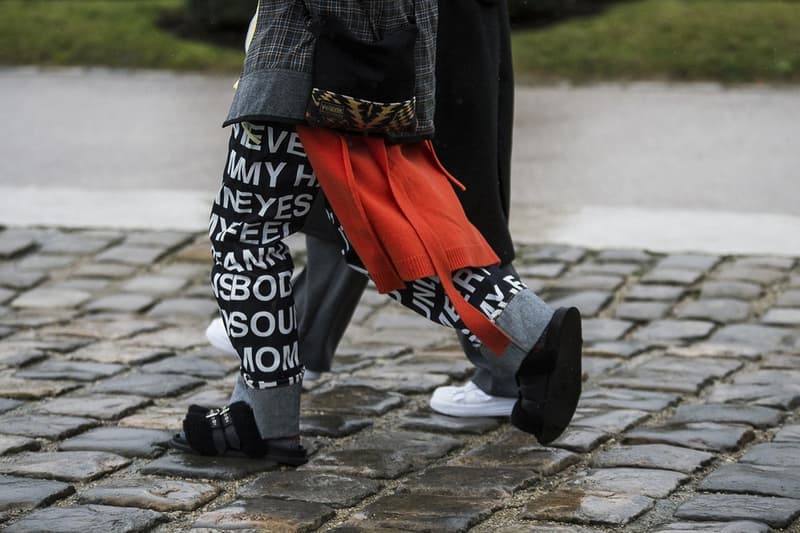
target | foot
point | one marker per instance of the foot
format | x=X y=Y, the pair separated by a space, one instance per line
x=550 y=379
x=232 y=432
x=468 y=400
x=218 y=337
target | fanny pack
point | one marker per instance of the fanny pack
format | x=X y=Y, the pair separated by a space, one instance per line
x=363 y=87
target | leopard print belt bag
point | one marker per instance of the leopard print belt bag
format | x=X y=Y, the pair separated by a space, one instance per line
x=363 y=87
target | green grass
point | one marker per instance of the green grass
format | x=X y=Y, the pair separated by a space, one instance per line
x=730 y=41
x=115 y=33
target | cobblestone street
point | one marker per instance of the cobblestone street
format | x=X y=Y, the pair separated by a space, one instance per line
x=688 y=420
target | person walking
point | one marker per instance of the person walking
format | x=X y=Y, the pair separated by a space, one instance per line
x=395 y=205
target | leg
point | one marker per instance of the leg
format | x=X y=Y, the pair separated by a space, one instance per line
x=267 y=190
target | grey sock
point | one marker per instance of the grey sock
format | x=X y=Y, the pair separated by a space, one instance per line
x=276 y=410
x=525 y=318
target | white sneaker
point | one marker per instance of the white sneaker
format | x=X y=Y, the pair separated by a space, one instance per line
x=468 y=400
x=218 y=337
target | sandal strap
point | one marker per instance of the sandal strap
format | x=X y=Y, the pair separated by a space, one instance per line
x=222 y=430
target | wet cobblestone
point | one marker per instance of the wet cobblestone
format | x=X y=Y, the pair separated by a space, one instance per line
x=689 y=419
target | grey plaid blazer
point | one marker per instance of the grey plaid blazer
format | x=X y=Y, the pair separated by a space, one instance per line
x=276 y=81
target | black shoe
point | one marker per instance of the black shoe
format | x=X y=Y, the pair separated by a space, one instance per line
x=232 y=432
x=550 y=378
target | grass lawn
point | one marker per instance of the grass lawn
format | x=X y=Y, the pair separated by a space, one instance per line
x=115 y=33
x=730 y=41
x=725 y=40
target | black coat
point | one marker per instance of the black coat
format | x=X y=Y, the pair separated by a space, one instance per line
x=474 y=116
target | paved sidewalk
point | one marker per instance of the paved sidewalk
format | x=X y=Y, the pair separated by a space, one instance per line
x=689 y=415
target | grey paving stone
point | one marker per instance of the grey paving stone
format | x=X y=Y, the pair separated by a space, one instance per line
x=7 y=405
x=781 y=360
x=675 y=276
x=128 y=303
x=616 y=349
x=607 y=268
x=135 y=255
x=12 y=244
x=167 y=239
x=75 y=243
x=43 y=425
x=517 y=449
x=777 y=512
x=21 y=494
x=451 y=363
x=768 y=377
x=33 y=389
x=588 y=282
x=717 y=349
x=781 y=481
x=44 y=298
x=794 y=280
x=373 y=350
x=149 y=385
x=789 y=298
x=624 y=256
x=597 y=366
x=614 y=420
x=782 y=396
x=553 y=252
x=643 y=311
x=119 y=352
x=763 y=276
x=702 y=367
x=14 y=278
x=204 y=367
x=46 y=263
x=154 y=284
x=176 y=338
x=421 y=512
x=774 y=454
x=100 y=327
x=740 y=290
x=148 y=493
x=307 y=485
x=604 y=329
x=689 y=261
x=75 y=370
x=266 y=514
x=699 y=436
x=86 y=518
x=779 y=263
x=166 y=417
x=52 y=343
x=643 y=400
x=718 y=310
x=385 y=455
x=590 y=303
x=125 y=441
x=361 y=401
x=541 y=270
x=387 y=379
x=645 y=481
x=660 y=456
x=332 y=425
x=34 y=318
x=180 y=308
x=529 y=527
x=199 y=467
x=437 y=423
x=574 y=505
x=469 y=482
x=581 y=440
x=740 y=526
x=649 y=291
x=789 y=433
x=104 y=270
x=654 y=380
x=674 y=330
x=95 y=406
x=6 y=295
x=64 y=466
x=13 y=444
x=782 y=317
x=753 y=415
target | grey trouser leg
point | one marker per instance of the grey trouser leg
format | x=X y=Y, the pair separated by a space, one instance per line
x=326 y=294
x=490 y=377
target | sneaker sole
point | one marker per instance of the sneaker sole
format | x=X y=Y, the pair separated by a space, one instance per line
x=548 y=418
